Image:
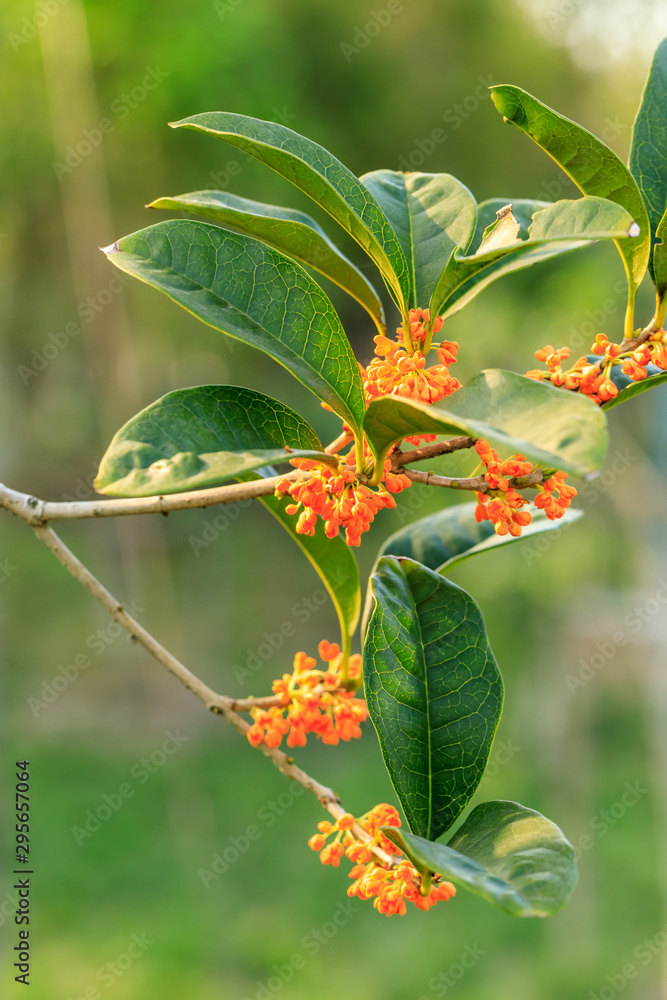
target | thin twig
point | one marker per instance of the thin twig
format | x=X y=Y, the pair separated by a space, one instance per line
x=219 y=704
x=40 y=512
x=476 y=483
x=276 y=701
x=339 y=443
x=631 y=343
x=432 y=451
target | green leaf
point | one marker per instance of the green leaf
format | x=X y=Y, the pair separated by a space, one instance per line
x=502 y=232
x=553 y=428
x=593 y=166
x=253 y=293
x=560 y=227
x=648 y=149
x=192 y=439
x=331 y=558
x=433 y=690
x=285 y=229
x=314 y=170
x=523 y=210
x=635 y=389
x=432 y=215
x=443 y=540
x=510 y=855
x=660 y=259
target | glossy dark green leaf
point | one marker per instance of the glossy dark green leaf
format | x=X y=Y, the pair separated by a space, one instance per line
x=510 y=855
x=284 y=229
x=433 y=690
x=593 y=166
x=631 y=389
x=323 y=178
x=193 y=439
x=253 y=293
x=648 y=149
x=432 y=215
x=660 y=260
x=331 y=558
x=443 y=540
x=553 y=428
x=501 y=232
x=523 y=210
x=560 y=227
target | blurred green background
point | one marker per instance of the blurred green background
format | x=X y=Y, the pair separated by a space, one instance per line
x=80 y=354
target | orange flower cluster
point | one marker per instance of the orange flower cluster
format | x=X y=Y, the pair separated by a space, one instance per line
x=390 y=884
x=396 y=372
x=339 y=498
x=593 y=378
x=503 y=505
x=312 y=701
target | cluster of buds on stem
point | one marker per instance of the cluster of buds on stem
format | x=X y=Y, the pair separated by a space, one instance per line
x=502 y=505
x=399 y=368
x=593 y=379
x=388 y=883
x=340 y=498
x=312 y=701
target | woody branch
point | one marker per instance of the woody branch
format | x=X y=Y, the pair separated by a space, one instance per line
x=220 y=704
x=37 y=512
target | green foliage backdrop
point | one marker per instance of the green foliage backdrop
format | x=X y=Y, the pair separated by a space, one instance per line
x=84 y=141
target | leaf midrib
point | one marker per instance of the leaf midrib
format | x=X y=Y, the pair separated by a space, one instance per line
x=422 y=648
x=353 y=211
x=240 y=312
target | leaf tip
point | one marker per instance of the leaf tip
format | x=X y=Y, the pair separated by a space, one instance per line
x=112 y=248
